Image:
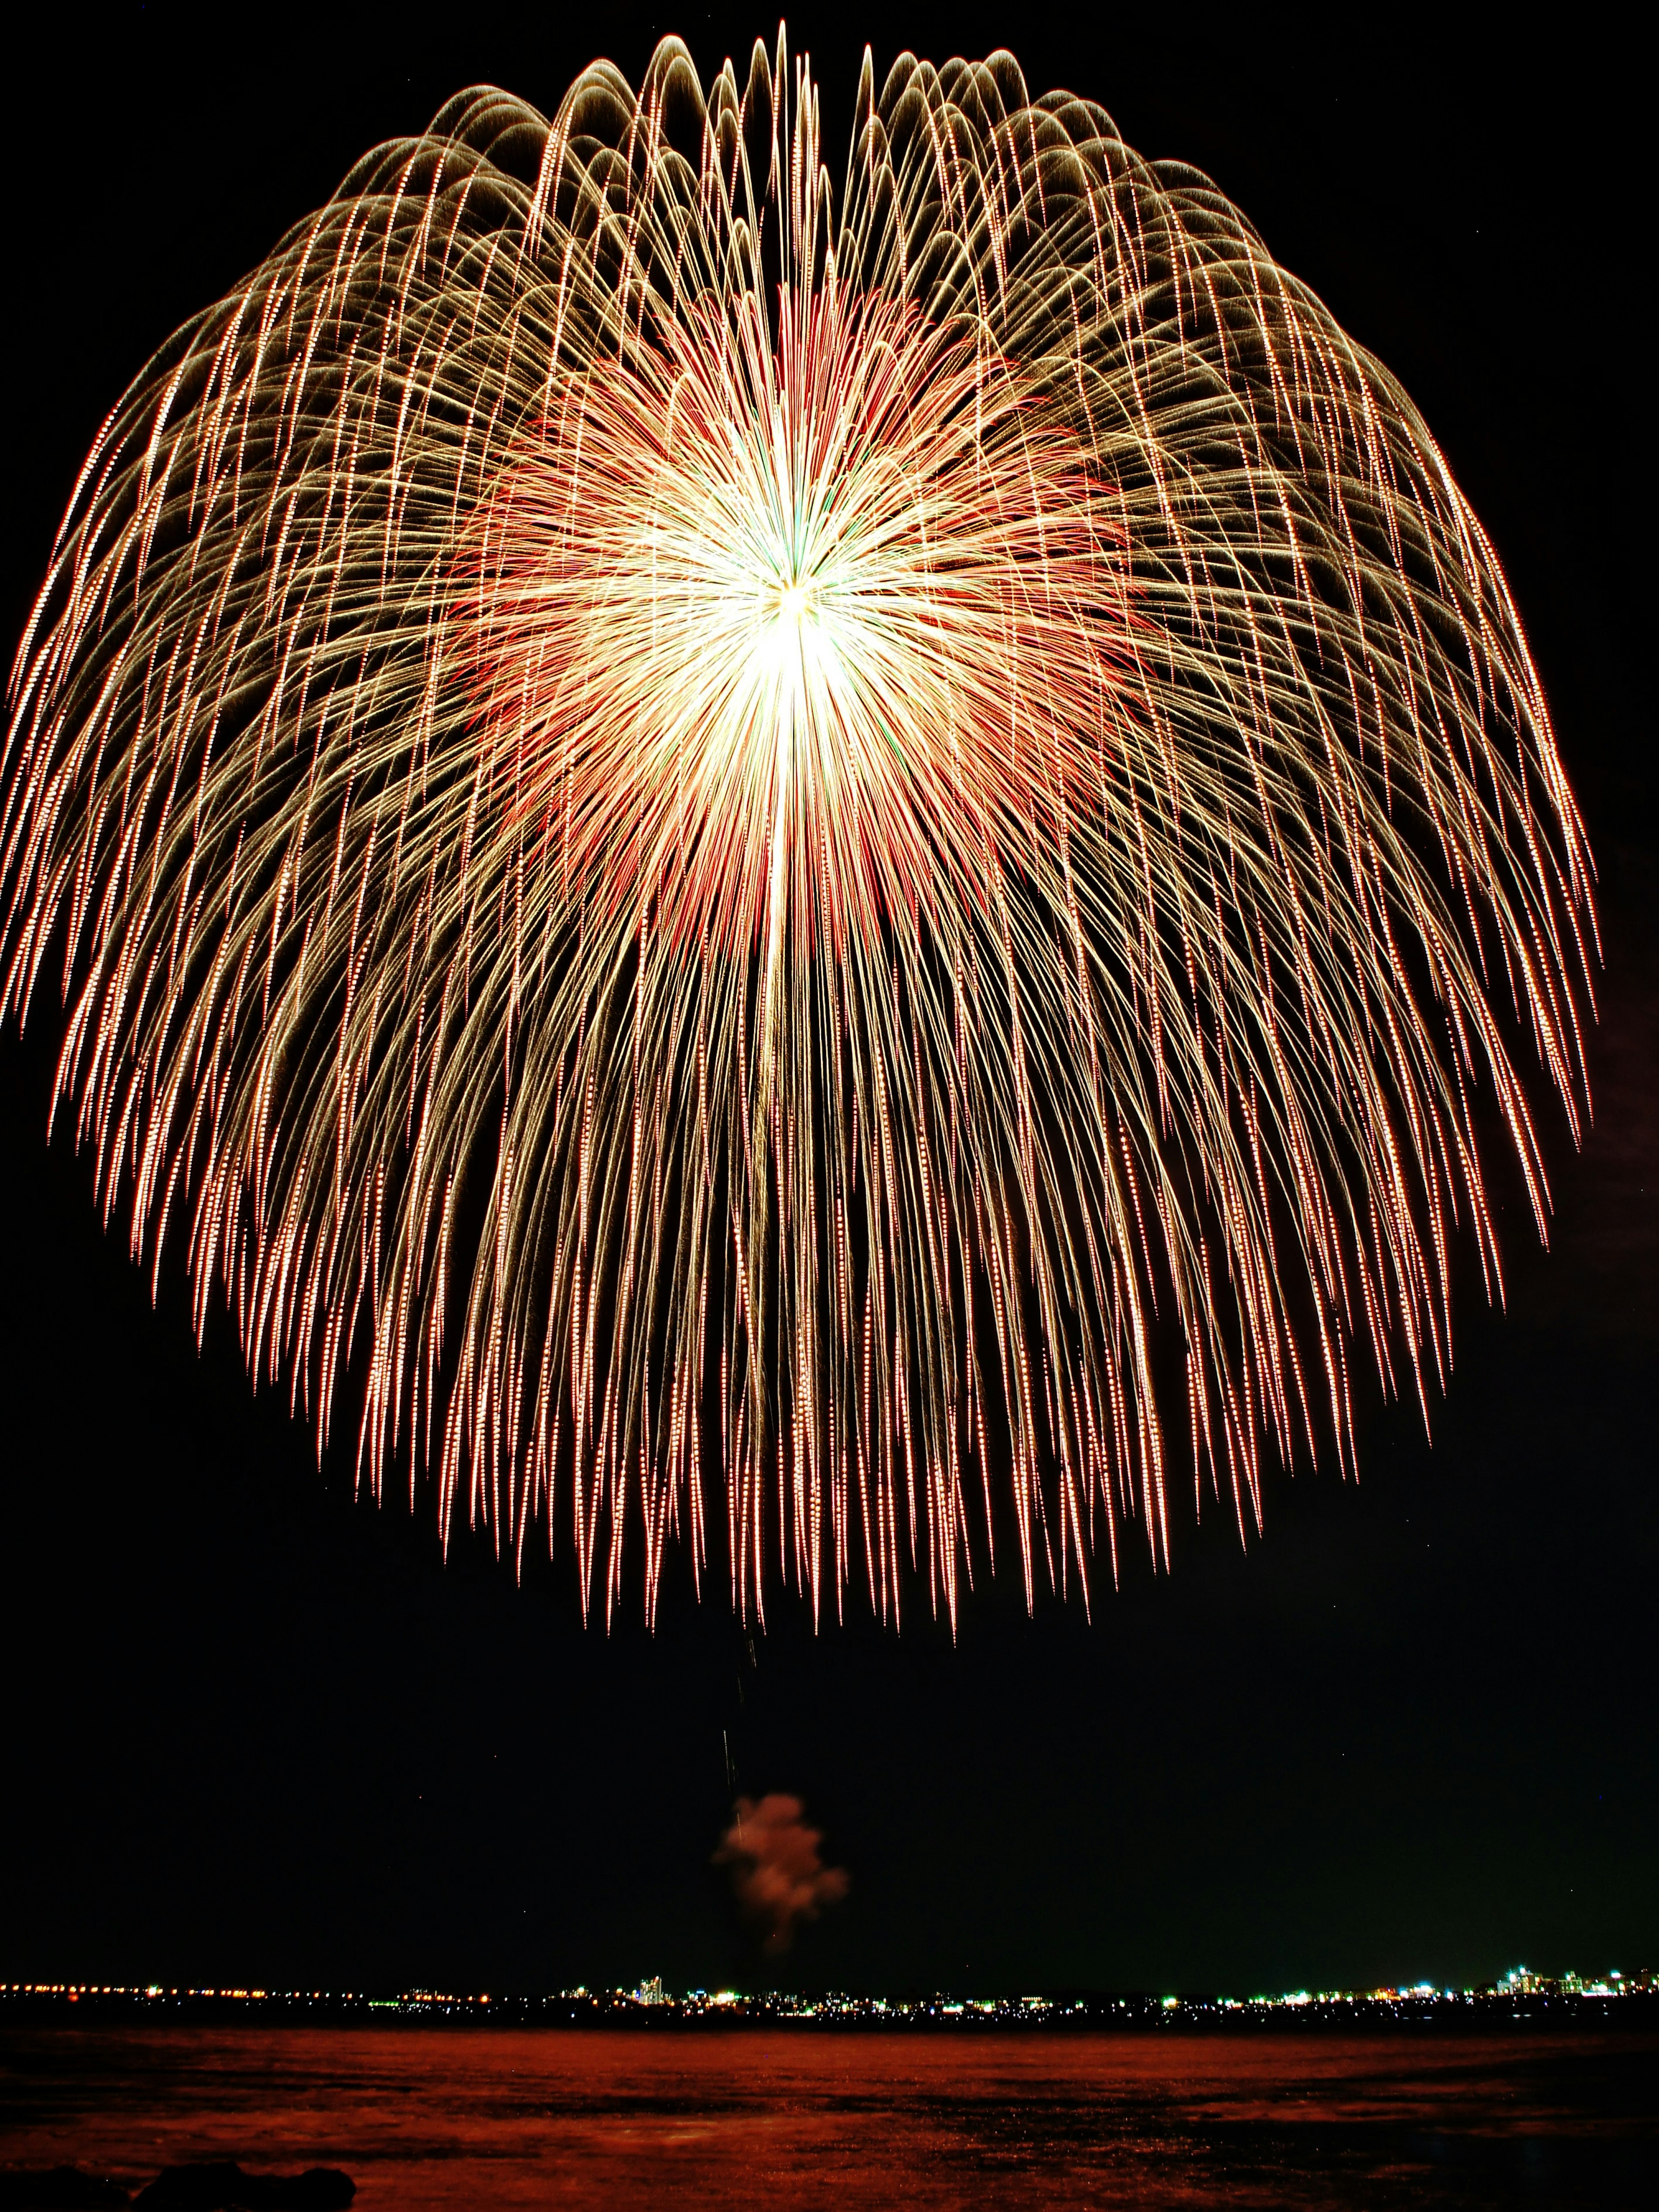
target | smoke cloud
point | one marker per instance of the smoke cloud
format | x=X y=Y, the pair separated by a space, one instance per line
x=776 y=1874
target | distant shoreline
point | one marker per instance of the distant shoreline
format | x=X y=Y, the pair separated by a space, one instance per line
x=1068 y=2012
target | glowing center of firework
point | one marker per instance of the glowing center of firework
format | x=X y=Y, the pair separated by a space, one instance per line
x=795 y=603
x=757 y=621
x=791 y=638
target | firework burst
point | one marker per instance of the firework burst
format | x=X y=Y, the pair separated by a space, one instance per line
x=727 y=850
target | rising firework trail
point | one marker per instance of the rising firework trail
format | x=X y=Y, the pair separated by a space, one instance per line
x=736 y=852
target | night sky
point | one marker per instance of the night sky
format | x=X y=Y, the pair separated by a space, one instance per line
x=256 y=1732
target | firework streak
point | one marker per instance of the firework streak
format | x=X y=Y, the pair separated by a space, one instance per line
x=881 y=842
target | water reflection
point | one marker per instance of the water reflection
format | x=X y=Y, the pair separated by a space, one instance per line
x=429 y=2119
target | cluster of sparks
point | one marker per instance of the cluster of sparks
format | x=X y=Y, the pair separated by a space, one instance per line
x=875 y=844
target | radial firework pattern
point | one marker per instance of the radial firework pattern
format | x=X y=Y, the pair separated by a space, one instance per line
x=875 y=844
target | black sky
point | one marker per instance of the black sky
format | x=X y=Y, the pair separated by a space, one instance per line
x=255 y=1732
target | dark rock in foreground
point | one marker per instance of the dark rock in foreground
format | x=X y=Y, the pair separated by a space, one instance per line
x=223 y=2187
x=60 y=2189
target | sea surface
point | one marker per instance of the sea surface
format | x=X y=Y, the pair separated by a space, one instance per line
x=430 y=2118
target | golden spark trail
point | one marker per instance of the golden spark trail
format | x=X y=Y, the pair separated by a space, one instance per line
x=880 y=845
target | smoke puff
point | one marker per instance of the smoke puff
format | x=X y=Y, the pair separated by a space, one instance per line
x=776 y=1873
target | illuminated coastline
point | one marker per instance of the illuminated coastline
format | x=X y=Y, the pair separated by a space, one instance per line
x=1520 y=1993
